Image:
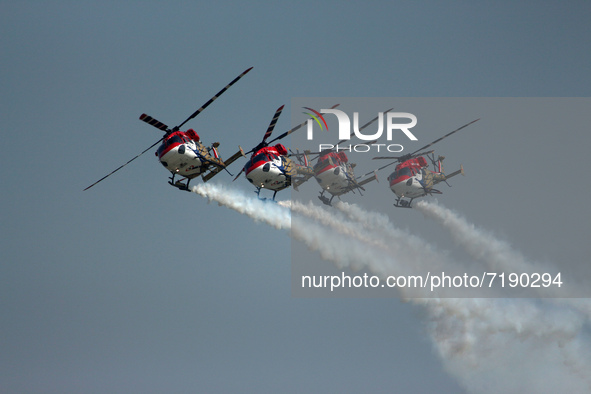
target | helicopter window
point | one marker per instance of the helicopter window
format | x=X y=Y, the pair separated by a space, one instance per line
x=259 y=157
x=321 y=164
x=403 y=171
x=173 y=140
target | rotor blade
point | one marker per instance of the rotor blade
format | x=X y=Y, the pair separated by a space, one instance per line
x=447 y=135
x=240 y=173
x=288 y=132
x=273 y=123
x=364 y=126
x=404 y=157
x=211 y=100
x=301 y=154
x=427 y=152
x=154 y=122
x=114 y=171
x=263 y=143
x=387 y=165
x=364 y=175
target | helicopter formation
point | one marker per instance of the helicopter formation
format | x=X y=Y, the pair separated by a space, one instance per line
x=273 y=167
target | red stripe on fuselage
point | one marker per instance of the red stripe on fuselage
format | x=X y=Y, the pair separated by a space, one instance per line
x=248 y=169
x=328 y=168
x=168 y=149
x=398 y=180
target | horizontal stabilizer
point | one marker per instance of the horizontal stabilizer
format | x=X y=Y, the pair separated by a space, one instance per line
x=370 y=179
x=301 y=179
x=460 y=171
x=226 y=162
x=235 y=156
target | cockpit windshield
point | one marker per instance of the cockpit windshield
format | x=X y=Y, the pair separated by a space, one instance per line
x=265 y=156
x=323 y=162
x=175 y=139
x=259 y=157
x=404 y=171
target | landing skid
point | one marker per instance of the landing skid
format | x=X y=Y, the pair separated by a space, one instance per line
x=400 y=203
x=179 y=184
x=258 y=191
x=325 y=200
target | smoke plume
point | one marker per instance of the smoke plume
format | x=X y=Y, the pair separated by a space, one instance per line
x=489 y=345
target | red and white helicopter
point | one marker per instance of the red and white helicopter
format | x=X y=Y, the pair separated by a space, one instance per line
x=270 y=167
x=182 y=152
x=334 y=173
x=412 y=179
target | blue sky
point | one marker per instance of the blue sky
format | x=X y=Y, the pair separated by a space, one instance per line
x=133 y=286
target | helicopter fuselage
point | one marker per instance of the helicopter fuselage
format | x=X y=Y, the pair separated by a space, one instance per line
x=412 y=179
x=182 y=153
x=407 y=186
x=269 y=168
x=333 y=173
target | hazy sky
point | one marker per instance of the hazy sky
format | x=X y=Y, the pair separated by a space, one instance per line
x=133 y=286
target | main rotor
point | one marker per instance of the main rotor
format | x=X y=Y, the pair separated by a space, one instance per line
x=417 y=153
x=167 y=130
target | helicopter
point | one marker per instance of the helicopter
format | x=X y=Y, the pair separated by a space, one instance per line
x=334 y=173
x=411 y=177
x=182 y=152
x=270 y=167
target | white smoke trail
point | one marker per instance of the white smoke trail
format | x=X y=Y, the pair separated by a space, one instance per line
x=510 y=345
x=480 y=244
x=335 y=222
x=254 y=208
x=512 y=319
x=279 y=215
x=391 y=250
x=499 y=255
x=489 y=345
